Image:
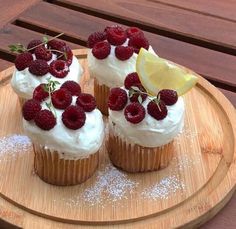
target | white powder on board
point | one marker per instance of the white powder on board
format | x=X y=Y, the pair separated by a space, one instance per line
x=13 y=145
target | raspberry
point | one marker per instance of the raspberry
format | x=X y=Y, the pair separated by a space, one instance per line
x=116 y=35
x=66 y=56
x=30 y=109
x=56 y=44
x=138 y=41
x=133 y=31
x=95 y=38
x=45 y=120
x=86 y=101
x=134 y=113
x=23 y=60
x=131 y=79
x=73 y=87
x=101 y=50
x=59 y=68
x=157 y=109
x=61 y=98
x=124 y=52
x=73 y=117
x=32 y=44
x=169 y=97
x=43 y=53
x=112 y=27
x=39 y=93
x=135 y=96
x=117 y=99
x=39 y=67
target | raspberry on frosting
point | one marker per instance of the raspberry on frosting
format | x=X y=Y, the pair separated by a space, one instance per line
x=23 y=60
x=157 y=109
x=138 y=41
x=39 y=67
x=117 y=99
x=45 y=120
x=61 y=98
x=30 y=109
x=131 y=79
x=169 y=97
x=134 y=113
x=101 y=50
x=123 y=52
x=95 y=38
x=59 y=68
x=116 y=35
x=73 y=87
x=66 y=54
x=133 y=31
x=73 y=117
x=33 y=44
x=42 y=53
x=86 y=101
x=39 y=93
x=56 y=44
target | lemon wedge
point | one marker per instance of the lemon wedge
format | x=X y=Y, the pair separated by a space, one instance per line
x=156 y=73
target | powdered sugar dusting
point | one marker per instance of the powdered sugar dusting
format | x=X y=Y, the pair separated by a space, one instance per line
x=167 y=186
x=13 y=145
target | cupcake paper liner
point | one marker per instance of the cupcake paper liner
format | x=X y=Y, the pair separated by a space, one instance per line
x=21 y=101
x=136 y=158
x=101 y=93
x=58 y=171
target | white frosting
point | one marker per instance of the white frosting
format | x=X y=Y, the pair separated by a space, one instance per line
x=149 y=132
x=71 y=144
x=111 y=71
x=24 y=83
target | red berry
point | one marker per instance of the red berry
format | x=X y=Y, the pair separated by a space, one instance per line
x=117 y=99
x=95 y=38
x=131 y=79
x=39 y=67
x=30 y=109
x=138 y=93
x=134 y=113
x=39 y=93
x=59 y=68
x=124 y=52
x=45 y=120
x=73 y=117
x=56 y=44
x=112 y=27
x=33 y=44
x=61 y=98
x=116 y=35
x=157 y=109
x=86 y=101
x=169 y=97
x=73 y=87
x=101 y=50
x=133 y=31
x=67 y=55
x=43 y=53
x=138 y=41
x=23 y=60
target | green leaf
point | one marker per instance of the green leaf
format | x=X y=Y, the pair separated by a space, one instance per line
x=48 y=105
x=140 y=99
x=135 y=88
x=56 y=82
x=45 y=39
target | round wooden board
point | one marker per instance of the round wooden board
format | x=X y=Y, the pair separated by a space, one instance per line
x=202 y=173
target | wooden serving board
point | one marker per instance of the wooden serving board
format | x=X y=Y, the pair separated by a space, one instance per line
x=193 y=188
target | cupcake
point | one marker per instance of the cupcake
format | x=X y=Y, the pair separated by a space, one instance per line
x=112 y=55
x=40 y=61
x=142 y=127
x=66 y=130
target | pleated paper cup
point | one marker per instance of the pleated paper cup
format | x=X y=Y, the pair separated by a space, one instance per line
x=101 y=93
x=58 y=171
x=135 y=158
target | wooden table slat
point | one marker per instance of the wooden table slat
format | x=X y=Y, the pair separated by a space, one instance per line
x=179 y=23
x=216 y=66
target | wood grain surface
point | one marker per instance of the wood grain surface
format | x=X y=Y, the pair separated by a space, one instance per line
x=209 y=182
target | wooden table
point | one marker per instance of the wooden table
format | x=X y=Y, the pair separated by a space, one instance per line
x=199 y=34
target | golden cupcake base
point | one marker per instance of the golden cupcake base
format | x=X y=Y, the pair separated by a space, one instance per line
x=135 y=158
x=101 y=93
x=58 y=171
